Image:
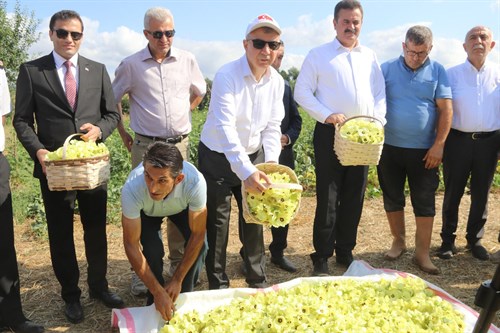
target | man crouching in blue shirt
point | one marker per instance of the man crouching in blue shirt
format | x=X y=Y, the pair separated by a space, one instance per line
x=164 y=186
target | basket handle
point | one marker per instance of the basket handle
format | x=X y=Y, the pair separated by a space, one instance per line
x=288 y=186
x=338 y=126
x=66 y=142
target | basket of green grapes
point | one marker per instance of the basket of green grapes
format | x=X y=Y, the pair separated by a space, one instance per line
x=278 y=205
x=359 y=141
x=77 y=165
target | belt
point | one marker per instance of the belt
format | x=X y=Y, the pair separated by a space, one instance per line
x=174 y=139
x=474 y=135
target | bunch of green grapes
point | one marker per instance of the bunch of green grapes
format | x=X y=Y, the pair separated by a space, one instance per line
x=362 y=131
x=275 y=206
x=401 y=305
x=77 y=149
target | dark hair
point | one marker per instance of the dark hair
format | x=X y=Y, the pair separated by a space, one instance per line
x=164 y=155
x=419 y=35
x=64 y=15
x=347 y=4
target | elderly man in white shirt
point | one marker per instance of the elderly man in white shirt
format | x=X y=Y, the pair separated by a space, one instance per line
x=242 y=129
x=472 y=147
x=339 y=80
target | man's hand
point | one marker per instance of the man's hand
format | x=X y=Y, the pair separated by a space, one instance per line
x=173 y=289
x=164 y=304
x=335 y=118
x=434 y=156
x=253 y=184
x=285 y=140
x=93 y=133
x=40 y=155
x=127 y=140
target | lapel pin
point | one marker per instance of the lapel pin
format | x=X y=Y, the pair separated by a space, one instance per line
x=87 y=69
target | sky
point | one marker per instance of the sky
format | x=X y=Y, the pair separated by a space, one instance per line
x=213 y=30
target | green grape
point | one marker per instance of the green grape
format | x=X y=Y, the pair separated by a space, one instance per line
x=275 y=206
x=362 y=131
x=344 y=305
x=77 y=149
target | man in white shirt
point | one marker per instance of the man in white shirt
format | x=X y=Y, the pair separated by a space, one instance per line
x=242 y=129
x=472 y=147
x=339 y=80
x=11 y=311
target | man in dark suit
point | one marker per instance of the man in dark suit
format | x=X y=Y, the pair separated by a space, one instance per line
x=64 y=93
x=290 y=130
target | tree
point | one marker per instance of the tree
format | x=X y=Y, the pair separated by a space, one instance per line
x=206 y=100
x=17 y=34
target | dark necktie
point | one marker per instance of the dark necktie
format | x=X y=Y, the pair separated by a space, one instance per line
x=70 y=84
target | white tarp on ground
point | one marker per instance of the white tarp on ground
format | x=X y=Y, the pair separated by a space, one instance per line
x=147 y=320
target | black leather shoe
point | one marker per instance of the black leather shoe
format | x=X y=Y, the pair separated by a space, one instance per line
x=478 y=251
x=27 y=327
x=111 y=300
x=258 y=285
x=344 y=258
x=447 y=251
x=320 y=268
x=284 y=264
x=74 y=312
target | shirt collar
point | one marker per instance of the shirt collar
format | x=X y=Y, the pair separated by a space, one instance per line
x=59 y=61
x=146 y=54
x=338 y=46
x=247 y=71
x=471 y=66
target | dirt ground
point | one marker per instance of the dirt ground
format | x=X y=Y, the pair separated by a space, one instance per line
x=460 y=276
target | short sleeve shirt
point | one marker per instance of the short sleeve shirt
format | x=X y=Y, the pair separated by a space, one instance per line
x=190 y=193
x=411 y=102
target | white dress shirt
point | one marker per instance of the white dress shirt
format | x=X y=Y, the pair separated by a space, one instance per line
x=4 y=105
x=159 y=93
x=335 y=80
x=476 y=97
x=61 y=68
x=244 y=115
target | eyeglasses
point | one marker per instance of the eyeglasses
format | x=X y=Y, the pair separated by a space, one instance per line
x=259 y=44
x=159 y=34
x=421 y=54
x=63 y=34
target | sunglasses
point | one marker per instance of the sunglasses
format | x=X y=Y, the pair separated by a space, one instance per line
x=259 y=44
x=63 y=34
x=159 y=34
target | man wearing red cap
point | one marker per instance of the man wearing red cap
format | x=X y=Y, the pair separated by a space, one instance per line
x=242 y=129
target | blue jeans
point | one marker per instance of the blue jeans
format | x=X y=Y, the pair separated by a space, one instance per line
x=154 y=251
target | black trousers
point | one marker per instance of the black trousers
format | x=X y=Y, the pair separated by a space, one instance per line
x=279 y=242
x=222 y=184
x=11 y=312
x=59 y=211
x=466 y=157
x=339 y=193
x=154 y=250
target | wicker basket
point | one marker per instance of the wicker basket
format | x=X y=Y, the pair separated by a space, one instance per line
x=270 y=168
x=77 y=174
x=353 y=153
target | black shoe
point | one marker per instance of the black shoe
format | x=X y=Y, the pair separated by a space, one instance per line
x=478 y=251
x=344 y=259
x=447 y=251
x=111 y=300
x=74 y=312
x=258 y=285
x=27 y=327
x=320 y=268
x=284 y=264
